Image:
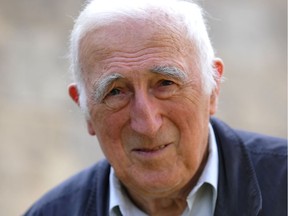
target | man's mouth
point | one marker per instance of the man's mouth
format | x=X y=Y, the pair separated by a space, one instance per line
x=148 y=150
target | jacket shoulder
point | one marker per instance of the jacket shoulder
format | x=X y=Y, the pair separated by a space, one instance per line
x=269 y=157
x=255 y=143
x=263 y=144
x=262 y=156
x=72 y=197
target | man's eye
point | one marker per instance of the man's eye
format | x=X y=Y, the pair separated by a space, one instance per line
x=165 y=89
x=114 y=92
x=117 y=98
x=167 y=82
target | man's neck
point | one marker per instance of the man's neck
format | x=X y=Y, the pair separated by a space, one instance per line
x=163 y=206
x=170 y=203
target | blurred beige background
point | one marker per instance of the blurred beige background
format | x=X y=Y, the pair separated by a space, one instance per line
x=43 y=137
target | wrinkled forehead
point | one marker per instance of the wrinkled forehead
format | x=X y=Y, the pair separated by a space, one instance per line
x=132 y=34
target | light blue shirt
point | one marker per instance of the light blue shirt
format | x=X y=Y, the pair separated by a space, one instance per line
x=200 y=201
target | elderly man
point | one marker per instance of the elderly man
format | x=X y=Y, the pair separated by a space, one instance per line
x=148 y=82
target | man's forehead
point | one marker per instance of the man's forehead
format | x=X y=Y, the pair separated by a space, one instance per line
x=131 y=31
x=97 y=47
x=130 y=38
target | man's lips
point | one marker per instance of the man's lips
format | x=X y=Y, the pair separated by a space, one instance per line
x=148 y=150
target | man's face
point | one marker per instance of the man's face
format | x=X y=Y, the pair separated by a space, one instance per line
x=147 y=106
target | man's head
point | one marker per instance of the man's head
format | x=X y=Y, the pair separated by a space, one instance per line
x=148 y=81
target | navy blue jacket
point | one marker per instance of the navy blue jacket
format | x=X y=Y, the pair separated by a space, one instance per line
x=252 y=180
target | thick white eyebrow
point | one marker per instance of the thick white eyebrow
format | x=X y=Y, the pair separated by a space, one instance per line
x=103 y=83
x=170 y=71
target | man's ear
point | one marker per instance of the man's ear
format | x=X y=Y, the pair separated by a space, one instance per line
x=219 y=69
x=74 y=93
x=90 y=128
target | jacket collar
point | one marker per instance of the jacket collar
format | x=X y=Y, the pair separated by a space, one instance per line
x=238 y=188
x=97 y=203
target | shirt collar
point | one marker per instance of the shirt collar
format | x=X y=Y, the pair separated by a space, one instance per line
x=119 y=202
x=118 y=197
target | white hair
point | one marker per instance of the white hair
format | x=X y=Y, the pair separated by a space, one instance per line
x=181 y=16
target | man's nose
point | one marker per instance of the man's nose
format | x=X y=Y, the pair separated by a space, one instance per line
x=146 y=118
